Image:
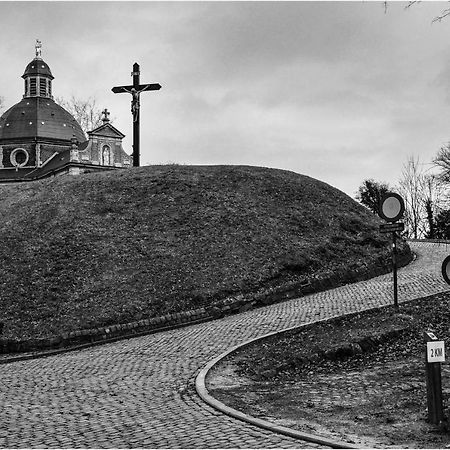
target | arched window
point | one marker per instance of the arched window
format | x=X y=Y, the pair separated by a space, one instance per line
x=106 y=155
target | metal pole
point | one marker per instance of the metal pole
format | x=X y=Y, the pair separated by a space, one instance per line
x=435 y=402
x=136 y=149
x=434 y=393
x=394 y=265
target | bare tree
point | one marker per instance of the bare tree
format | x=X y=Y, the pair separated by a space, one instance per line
x=434 y=199
x=425 y=196
x=86 y=112
x=409 y=189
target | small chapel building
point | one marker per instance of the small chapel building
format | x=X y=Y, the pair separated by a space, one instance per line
x=39 y=138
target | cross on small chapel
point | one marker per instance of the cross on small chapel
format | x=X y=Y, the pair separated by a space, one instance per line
x=105 y=117
x=135 y=90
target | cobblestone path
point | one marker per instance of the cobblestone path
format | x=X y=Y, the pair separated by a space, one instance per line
x=140 y=392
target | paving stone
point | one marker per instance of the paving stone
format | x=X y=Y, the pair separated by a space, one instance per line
x=127 y=394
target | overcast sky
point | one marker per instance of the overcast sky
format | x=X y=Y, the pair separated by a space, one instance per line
x=340 y=91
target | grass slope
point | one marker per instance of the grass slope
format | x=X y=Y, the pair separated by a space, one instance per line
x=104 y=248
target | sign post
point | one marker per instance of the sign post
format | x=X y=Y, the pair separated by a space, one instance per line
x=394 y=268
x=391 y=209
x=435 y=354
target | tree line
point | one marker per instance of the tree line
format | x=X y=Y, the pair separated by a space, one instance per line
x=425 y=189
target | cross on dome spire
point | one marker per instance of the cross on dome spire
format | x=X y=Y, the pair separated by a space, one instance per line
x=38 y=76
x=38 y=48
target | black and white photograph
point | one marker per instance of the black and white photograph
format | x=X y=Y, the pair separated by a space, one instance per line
x=224 y=224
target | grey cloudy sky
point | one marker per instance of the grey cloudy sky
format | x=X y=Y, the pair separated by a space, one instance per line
x=340 y=91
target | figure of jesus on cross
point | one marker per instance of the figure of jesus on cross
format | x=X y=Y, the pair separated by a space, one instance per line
x=135 y=91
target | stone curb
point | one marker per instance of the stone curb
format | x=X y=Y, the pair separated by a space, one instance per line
x=89 y=337
x=6 y=359
x=79 y=339
x=202 y=391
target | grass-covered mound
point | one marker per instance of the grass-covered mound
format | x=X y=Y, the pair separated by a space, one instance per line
x=105 y=248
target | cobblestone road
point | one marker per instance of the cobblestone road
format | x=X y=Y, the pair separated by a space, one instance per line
x=140 y=392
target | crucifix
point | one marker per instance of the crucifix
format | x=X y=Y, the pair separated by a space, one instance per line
x=135 y=90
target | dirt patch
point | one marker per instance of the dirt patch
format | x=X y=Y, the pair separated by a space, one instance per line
x=359 y=379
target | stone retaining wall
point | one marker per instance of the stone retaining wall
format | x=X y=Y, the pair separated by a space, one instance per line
x=214 y=311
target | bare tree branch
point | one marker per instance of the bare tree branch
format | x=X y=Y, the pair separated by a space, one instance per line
x=86 y=112
x=441 y=16
x=442 y=160
x=425 y=195
x=409 y=190
x=412 y=3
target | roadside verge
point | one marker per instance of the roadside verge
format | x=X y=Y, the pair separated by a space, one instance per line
x=202 y=391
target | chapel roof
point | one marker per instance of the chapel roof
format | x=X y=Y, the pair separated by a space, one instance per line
x=38 y=67
x=40 y=118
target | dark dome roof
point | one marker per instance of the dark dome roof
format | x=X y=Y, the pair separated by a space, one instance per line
x=39 y=117
x=37 y=67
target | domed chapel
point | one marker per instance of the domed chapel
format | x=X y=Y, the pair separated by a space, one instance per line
x=39 y=138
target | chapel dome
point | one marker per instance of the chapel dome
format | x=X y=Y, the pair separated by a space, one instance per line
x=41 y=119
x=38 y=67
x=37 y=117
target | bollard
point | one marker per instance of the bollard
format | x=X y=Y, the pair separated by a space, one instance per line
x=435 y=354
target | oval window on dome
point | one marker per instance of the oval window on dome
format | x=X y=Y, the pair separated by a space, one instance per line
x=19 y=157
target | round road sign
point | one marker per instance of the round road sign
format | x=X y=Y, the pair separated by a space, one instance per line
x=446 y=269
x=392 y=207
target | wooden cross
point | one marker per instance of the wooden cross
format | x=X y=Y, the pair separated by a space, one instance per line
x=135 y=90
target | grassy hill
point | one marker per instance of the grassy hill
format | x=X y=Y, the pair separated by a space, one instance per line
x=106 y=248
